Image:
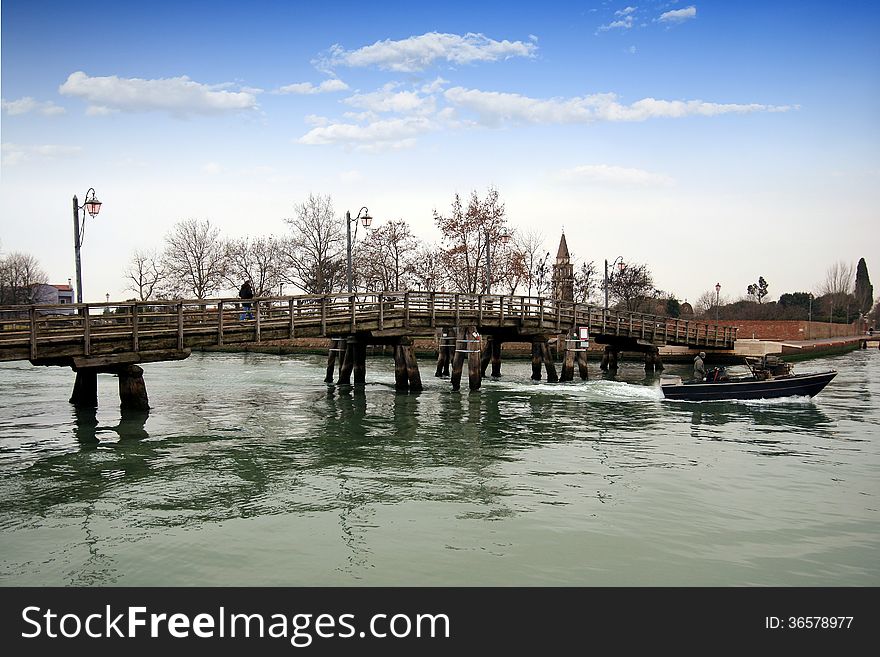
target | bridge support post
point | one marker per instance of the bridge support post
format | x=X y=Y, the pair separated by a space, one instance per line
x=496 y=357
x=444 y=351
x=549 y=365
x=85 y=389
x=412 y=365
x=335 y=345
x=652 y=361
x=485 y=355
x=347 y=363
x=567 y=358
x=360 y=362
x=401 y=378
x=609 y=358
x=582 y=365
x=536 y=361
x=458 y=359
x=132 y=390
x=474 y=378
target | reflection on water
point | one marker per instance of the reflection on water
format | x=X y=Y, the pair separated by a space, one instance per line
x=276 y=478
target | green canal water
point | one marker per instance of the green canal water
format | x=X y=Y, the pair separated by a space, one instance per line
x=251 y=471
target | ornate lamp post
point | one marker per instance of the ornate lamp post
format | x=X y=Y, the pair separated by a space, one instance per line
x=366 y=220
x=620 y=266
x=93 y=206
x=717 y=292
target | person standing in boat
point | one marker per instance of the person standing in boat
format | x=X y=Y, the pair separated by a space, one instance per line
x=700 y=367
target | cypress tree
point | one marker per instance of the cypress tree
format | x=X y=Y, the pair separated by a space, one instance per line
x=864 y=291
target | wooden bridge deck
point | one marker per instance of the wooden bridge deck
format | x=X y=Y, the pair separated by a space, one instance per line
x=157 y=330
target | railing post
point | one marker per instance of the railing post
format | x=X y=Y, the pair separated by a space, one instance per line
x=324 y=316
x=558 y=317
x=381 y=311
x=33 y=318
x=87 y=332
x=257 y=319
x=501 y=317
x=352 y=303
x=522 y=311
x=220 y=323
x=432 y=300
x=291 y=325
x=479 y=310
x=541 y=316
x=457 y=311
x=406 y=309
x=135 y=343
x=180 y=325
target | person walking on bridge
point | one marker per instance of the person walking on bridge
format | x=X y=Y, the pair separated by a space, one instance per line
x=246 y=292
x=700 y=367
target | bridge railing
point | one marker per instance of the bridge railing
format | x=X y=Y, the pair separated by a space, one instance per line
x=33 y=327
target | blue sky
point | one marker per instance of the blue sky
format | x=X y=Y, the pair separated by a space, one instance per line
x=714 y=141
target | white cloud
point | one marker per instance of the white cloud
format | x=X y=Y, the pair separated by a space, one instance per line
x=17 y=153
x=606 y=174
x=625 y=12
x=387 y=99
x=27 y=104
x=212 y=168
x=333 y=84
x=624 y=23
x=417 y=53
x=390 y=133
x=678 y=15
x=495 y=107
x=178 y=96
x=435 y=86
x=352 y=176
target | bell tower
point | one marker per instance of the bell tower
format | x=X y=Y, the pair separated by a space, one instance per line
x=563 y=273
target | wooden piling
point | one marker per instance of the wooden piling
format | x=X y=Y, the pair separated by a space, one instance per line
x=536 y=361
x=458 y=358
x=496 y=357
x=401 y=378
x=442 y=353
x=347 y=363
x=132 y=390
x=331 y=359
x=412 y=366
x=85 y=389
x=360 y=363
x=582 y=365
x=474 y=378
x=549 y=365
x=568 y=358
x=485 y=355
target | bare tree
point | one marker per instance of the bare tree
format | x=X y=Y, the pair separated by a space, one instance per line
x=838 y=285
x=529 y=245
x=542 y=275
x=469 y=235
x=194 y=259
x=144 y=273
x=428 y=269
x=259 y=260
x=384 y=259
x=631 y=286
x=586 y=282
x=22 y=280
x=315 y=252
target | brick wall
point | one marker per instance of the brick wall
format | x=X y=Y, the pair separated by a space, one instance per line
x=791 y=329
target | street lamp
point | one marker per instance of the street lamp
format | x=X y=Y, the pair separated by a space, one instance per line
x=93 y=207
x=810 y=319
x=505 y=238
x=366 y=220
x=620 y=266
x=717 y=292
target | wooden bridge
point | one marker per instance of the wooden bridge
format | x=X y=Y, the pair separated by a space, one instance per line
x=115 y=337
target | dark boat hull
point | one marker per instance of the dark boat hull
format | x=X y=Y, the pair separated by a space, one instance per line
x=793 y=385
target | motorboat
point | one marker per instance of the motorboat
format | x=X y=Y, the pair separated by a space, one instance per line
x=770 y=378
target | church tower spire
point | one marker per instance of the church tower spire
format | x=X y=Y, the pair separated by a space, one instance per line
x=563 y=273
